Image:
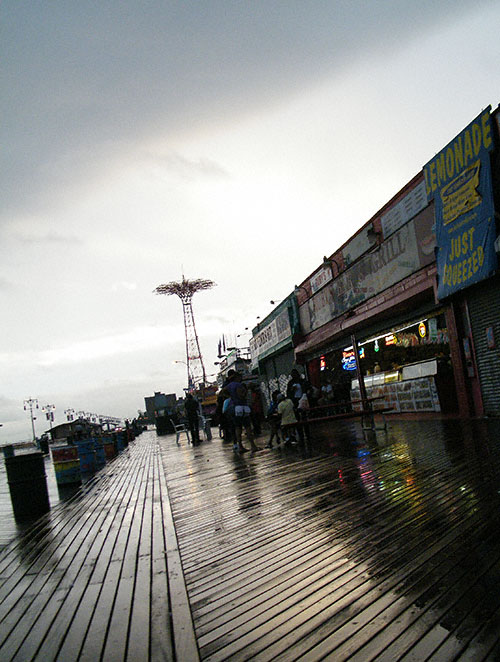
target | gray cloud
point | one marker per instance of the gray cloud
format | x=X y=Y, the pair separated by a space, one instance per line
x=189 y=169
x=83 y=78
x=51 y=238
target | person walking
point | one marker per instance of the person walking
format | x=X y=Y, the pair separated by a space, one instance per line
x=192 y=411
x=302 y=412
x=295 y=389
x=227 y=414
x=241 y=417
x=288 y=419
x=256 y=413
x=273 y=418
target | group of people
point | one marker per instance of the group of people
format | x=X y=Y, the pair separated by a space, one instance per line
x=287 y=413
x=240 y=408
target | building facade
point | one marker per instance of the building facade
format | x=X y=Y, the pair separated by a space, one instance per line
x=272 y=347
x=415 y=291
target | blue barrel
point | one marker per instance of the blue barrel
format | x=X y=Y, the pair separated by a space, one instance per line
x=86 y=453
x=120 y=441
x=68 y=472
x=27 y=485
x=100 y=453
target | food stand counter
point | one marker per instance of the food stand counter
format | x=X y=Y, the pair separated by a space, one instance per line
x=412 y=388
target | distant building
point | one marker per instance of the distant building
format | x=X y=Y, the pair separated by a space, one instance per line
x=160 y=404
x=73 y=429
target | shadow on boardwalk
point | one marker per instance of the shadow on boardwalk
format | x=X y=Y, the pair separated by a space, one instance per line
x=385 y=548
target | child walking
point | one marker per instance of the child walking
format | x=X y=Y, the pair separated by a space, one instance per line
x=273 y=418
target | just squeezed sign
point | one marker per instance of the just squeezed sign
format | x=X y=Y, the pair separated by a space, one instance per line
x=458 y=179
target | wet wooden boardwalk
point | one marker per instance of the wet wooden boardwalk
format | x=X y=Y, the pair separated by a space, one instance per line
x=380 y=549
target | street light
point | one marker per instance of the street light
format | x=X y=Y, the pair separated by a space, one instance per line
x=29 y=404
x=327 y=262
x=49 y=413
x=374 y=236
x=190 y=377
x=297 y=289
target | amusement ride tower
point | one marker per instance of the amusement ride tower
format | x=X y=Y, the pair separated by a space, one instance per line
x=185 y=289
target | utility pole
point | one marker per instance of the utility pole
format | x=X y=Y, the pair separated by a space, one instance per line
x=29 y=404
x=49 y=413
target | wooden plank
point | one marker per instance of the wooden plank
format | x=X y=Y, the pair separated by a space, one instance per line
x=117 y=635
x=186 y=649
x=57 y=584
x=138 y=635
x=109 y=573
x=161 y=629
x=39 y=587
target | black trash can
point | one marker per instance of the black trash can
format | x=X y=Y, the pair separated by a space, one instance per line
x=44 y=445
x=27 y=485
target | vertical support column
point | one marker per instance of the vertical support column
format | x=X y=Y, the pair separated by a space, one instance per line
x=361 y=381
x=464 y=408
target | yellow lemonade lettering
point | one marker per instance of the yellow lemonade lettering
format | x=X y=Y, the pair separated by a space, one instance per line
x=474 y=262
x=465 y=243
x=450 y=163
x=467 y=147
x=459 y=154
x=441 y=169
x=485 y=125
x=476 y=138
x=480 y=255
x=432 y=169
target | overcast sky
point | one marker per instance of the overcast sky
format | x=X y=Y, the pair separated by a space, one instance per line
x=233 y=140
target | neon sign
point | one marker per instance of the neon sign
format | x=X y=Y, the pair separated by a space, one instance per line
x=349 y=359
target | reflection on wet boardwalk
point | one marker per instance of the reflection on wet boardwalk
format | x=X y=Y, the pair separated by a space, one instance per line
x=362 y=549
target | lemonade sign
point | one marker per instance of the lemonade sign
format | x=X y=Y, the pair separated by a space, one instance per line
x=458 y=179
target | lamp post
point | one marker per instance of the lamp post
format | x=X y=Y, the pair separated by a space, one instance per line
x=328 y=261
x=374 y=236
x=297 y=289
x=29 y=404
x=190 y=377
x=49 y=413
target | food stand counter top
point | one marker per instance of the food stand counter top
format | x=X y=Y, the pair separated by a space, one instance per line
x=412 y=388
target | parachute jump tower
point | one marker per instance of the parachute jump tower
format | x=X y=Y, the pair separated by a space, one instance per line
x=185 y=290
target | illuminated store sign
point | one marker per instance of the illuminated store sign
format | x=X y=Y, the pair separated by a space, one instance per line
x=349 y=360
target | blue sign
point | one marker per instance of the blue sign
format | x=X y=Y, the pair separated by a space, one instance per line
x=458 y=179
x=349 y=359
